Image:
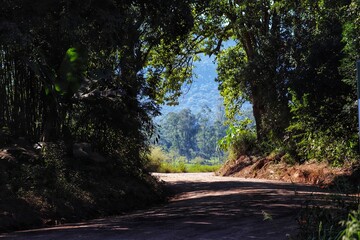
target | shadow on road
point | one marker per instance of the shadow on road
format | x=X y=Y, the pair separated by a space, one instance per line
x=229 y=209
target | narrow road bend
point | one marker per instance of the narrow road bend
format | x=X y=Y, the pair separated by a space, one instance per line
x=204 y=207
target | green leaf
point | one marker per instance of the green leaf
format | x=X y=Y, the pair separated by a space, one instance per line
x=47 y=91
x=57 y=88
x=72 y=54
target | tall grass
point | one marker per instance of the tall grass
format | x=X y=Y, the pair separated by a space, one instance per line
x=202 y=168
x=159 y=161
x=352 y=224
x=185 y=168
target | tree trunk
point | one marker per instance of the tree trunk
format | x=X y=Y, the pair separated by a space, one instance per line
x=258 y=110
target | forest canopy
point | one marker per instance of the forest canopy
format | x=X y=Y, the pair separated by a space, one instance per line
x=294 y=61
x=80 y=82
x=85 y=70
x=97 y=71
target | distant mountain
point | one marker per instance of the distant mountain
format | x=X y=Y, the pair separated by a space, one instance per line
x=202 y=92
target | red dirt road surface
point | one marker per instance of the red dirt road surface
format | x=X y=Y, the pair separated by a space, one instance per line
x=204 y=207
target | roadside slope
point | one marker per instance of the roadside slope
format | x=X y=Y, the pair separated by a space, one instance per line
x=274 y=168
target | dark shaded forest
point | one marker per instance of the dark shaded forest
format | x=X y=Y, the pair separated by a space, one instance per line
x=79 y=89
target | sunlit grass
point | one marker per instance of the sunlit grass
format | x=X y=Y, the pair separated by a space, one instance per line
x=186 y=168
x=161 y=161
x=202 y=168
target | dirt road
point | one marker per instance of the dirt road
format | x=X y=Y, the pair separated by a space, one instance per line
x=205 y=207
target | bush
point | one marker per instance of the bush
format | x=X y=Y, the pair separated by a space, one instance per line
x=239 y=140
x=199 y=160
x=324 y=145
x=182 y=166
x=168 y=168
x=334 y=140
x=156 y=158
x=243 y=144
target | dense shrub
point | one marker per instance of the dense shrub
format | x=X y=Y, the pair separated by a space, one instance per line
x=335 y=142
x=156 y=158
x=239 y=140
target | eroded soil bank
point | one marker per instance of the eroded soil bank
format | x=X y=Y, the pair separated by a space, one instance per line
x=320 y=174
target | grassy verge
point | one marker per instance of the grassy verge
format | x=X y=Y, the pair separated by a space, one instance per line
x=160 y=161
x=202 y=168
x=185 y=168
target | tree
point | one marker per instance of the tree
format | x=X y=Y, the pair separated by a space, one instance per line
x=180 y=131
x=254 y=69
x=192 y=135
x=82 y=71
x=206 y=134
x=273 y=40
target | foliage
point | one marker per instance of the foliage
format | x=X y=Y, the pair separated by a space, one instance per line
x=239 y=140
x=352 y=224
x=181 y=130
x=88 y=71
x=192 y=135
x=160 y=161
x=321 y=143
x=351 y=23
x=319 y=222
x=231 y=63
x=80 y=77
x=156 y=158
x=253 y=69
x=193 y=168
x=53 y=187
x=284 y=50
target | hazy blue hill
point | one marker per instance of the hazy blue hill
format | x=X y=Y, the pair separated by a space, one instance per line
x=203 y=90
